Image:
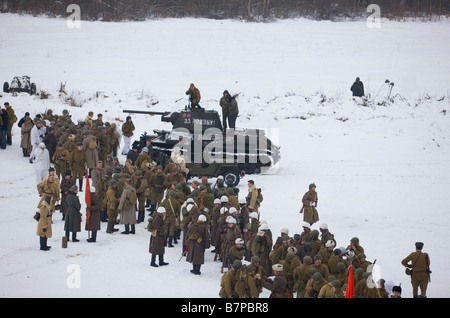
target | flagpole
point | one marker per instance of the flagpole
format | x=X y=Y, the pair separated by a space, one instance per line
x=87 y=198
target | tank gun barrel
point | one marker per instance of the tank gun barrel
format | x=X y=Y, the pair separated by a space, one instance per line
x=146 y=112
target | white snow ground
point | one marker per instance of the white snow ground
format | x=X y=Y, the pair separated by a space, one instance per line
x=382 y=172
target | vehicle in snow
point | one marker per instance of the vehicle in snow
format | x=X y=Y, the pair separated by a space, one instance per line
x=209 y=150
x=20 y=84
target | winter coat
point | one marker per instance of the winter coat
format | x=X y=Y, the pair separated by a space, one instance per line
x=310 y=214
x=253 y=204
x=93 y=223
x=25 y=141
x=234 y=109
x=357 y=89
x=127 y=210
x=112 y=201
x=42 y=161
x=277 y=286
x=313 y=288
x=44 y=227
x=77 y=160
x=194 y=96
x=225 y=104
x=73 y=214
x=50 y=142
x=227 y=284
x=327 y=292
x=46 y=188
x=66 y=184
x=37 y=135
x=127 y=129
x=158 y=237
x=198 y=241
x=261 y=247
x=91 y=153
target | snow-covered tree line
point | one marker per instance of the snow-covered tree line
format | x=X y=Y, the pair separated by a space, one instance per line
x=253 y=10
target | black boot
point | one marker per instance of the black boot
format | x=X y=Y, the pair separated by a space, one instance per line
x=93 y=238
x=74 y=237
x=103 y=216
x=196 y=269
x=153 y=261
x=133 y=229
x=127 y=229
x=161 y=261
x=43 y=243
x=110 y=228
x=140 y=217
x=170 y=241
x=80 y=185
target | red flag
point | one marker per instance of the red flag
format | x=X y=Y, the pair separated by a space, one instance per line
x=87 y=198
x=350 y=291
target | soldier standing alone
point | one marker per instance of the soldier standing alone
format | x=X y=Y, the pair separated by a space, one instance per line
x=309 y=201
x=420 y=269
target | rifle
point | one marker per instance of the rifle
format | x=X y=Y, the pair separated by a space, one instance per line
x=428 y=268
x=221 y=253
x=184 y=253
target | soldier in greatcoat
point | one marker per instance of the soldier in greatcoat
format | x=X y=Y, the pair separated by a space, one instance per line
x=73 y=215
x=158 y=238
x=157 y=188
x=309 y=201
x=277 y=286
x=198 y=240
x=25 y=141
x=93 y=221
x=112 y=202
x=66 y=183
x=126 y=209
x=44 y=227
x=77 y=164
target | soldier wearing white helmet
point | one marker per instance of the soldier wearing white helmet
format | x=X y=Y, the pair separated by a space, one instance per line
x=232 y=232
x=197 y=238
x=237 y=251
x=327 y=251
x=262 y=245
x=158 y=238
x=249 y=231
x=326 y=235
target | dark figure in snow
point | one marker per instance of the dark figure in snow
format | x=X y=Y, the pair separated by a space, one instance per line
x=357 y=88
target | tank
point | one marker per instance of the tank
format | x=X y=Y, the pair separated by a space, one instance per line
x=208 y=149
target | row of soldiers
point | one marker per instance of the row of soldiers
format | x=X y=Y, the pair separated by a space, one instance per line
x=304 y=266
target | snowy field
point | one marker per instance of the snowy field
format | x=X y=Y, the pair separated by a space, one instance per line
x=382 y=168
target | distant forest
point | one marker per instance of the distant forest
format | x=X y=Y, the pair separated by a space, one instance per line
x=249 y=10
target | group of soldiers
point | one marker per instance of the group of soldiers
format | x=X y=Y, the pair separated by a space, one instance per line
x=200 y=216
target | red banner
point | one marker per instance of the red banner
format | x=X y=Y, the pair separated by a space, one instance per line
x=350 y=291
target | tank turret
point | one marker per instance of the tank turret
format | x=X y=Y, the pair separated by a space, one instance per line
x=209 y=149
